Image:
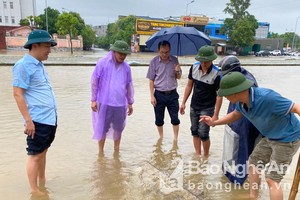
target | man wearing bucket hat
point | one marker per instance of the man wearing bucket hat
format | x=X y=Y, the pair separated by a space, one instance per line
x=273 y=115
x=111 y=95
x=36 y=102
x=203 y=79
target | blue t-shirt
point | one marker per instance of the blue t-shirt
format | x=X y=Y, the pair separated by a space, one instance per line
x=270 y=113
x=30 y=75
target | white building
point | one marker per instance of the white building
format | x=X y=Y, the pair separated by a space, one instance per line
x=12 y=11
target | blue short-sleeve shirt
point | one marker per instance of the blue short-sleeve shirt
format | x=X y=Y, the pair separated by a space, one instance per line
x=270 y=113
x=30 y=75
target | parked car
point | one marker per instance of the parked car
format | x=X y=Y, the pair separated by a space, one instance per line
x=231 y=52
x=275 y=52
x=262 y=53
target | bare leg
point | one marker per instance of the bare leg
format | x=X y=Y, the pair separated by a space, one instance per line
x=176 y=130
x=206 y=146
x=275 y=190
x=117 y=145
x=160 y=131
x=42 y=169
x=197 y=145
x=34 y=163
x=101 y=146
x=254 y=180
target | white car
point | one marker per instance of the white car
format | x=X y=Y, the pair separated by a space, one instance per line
x=275 y=53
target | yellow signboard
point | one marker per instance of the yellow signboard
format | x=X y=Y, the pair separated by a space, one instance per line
x=148 y=27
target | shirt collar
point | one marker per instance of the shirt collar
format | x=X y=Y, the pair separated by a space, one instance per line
x=209 y=69
x=31 y=59
x=160 y=60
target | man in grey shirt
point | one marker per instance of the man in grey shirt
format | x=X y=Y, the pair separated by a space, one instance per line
x=163 y=72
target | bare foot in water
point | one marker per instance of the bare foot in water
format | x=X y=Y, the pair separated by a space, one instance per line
x=37 y=194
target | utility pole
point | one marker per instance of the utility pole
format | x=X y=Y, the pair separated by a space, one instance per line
x=293 y=47
x=46 y=14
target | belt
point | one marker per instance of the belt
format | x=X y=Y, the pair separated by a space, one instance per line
x=166 y=92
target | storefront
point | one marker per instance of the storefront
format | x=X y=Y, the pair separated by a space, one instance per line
x=144 y=28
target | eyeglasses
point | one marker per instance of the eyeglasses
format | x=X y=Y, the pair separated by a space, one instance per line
x=164 y=52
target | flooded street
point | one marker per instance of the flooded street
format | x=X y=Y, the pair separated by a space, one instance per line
x=144 y=165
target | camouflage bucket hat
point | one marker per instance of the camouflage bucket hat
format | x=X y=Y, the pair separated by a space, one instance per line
x=121 y=47
x=206 y=53
x=232 y=83
x=39 y=36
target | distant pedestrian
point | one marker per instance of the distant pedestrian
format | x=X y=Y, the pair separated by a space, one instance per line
x=163 y=72
x=111 y=95
x=36 y=102
x=273 y=115
x=204 y=81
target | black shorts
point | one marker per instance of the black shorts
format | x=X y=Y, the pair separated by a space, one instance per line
x=43 y=137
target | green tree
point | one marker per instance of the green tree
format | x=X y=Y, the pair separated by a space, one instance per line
x=121 y=30
x=81 y=25
x=241 y=27
x=89 y=37
x=32 y=21
x=52 y=15
x=124 y=29
x=24 y=22
x=66 y=24
x=274 y=35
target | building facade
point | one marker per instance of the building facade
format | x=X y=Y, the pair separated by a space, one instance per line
x=12 y=11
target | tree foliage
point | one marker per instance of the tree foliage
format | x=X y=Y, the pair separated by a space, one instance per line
x=241 y=27
x=52 y=15
x=33 y=21
x=81 y=24
x=121 y=30
x=24 y=22
x=289 y=38
x=66 y=24
x=89 y=37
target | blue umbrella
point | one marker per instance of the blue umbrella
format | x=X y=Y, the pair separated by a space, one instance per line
x=183 y=40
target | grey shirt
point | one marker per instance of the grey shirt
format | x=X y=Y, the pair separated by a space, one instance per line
x=163 y=73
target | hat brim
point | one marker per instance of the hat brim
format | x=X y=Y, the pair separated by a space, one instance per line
x=40 y=40
x=233 y=90
x=119 y=50
x=206 y=58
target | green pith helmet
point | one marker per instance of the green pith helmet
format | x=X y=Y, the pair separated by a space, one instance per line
x=121 y=47
x=232 y=83
x=206 y=53
x=39 y=36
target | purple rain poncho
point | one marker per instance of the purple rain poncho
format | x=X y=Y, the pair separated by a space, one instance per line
x=112 y=89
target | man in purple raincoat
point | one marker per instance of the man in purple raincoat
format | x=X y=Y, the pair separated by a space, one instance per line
x=112 y=95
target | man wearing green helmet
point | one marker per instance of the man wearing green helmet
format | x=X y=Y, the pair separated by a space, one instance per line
x=273 y=115
x=203 y=80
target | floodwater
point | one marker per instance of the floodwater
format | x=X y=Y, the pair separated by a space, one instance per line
x=145 y=166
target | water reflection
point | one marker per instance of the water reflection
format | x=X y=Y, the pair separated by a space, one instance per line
x=109 y=181
x=75 y=172
x=165 y=160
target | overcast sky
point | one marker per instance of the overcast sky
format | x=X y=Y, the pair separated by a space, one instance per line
x=281 y=14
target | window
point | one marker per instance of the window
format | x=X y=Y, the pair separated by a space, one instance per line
x=217 y=31
x=6 y=19
x=4 y=4
x=11 y=4
x=0 y=19
x=13 y=21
